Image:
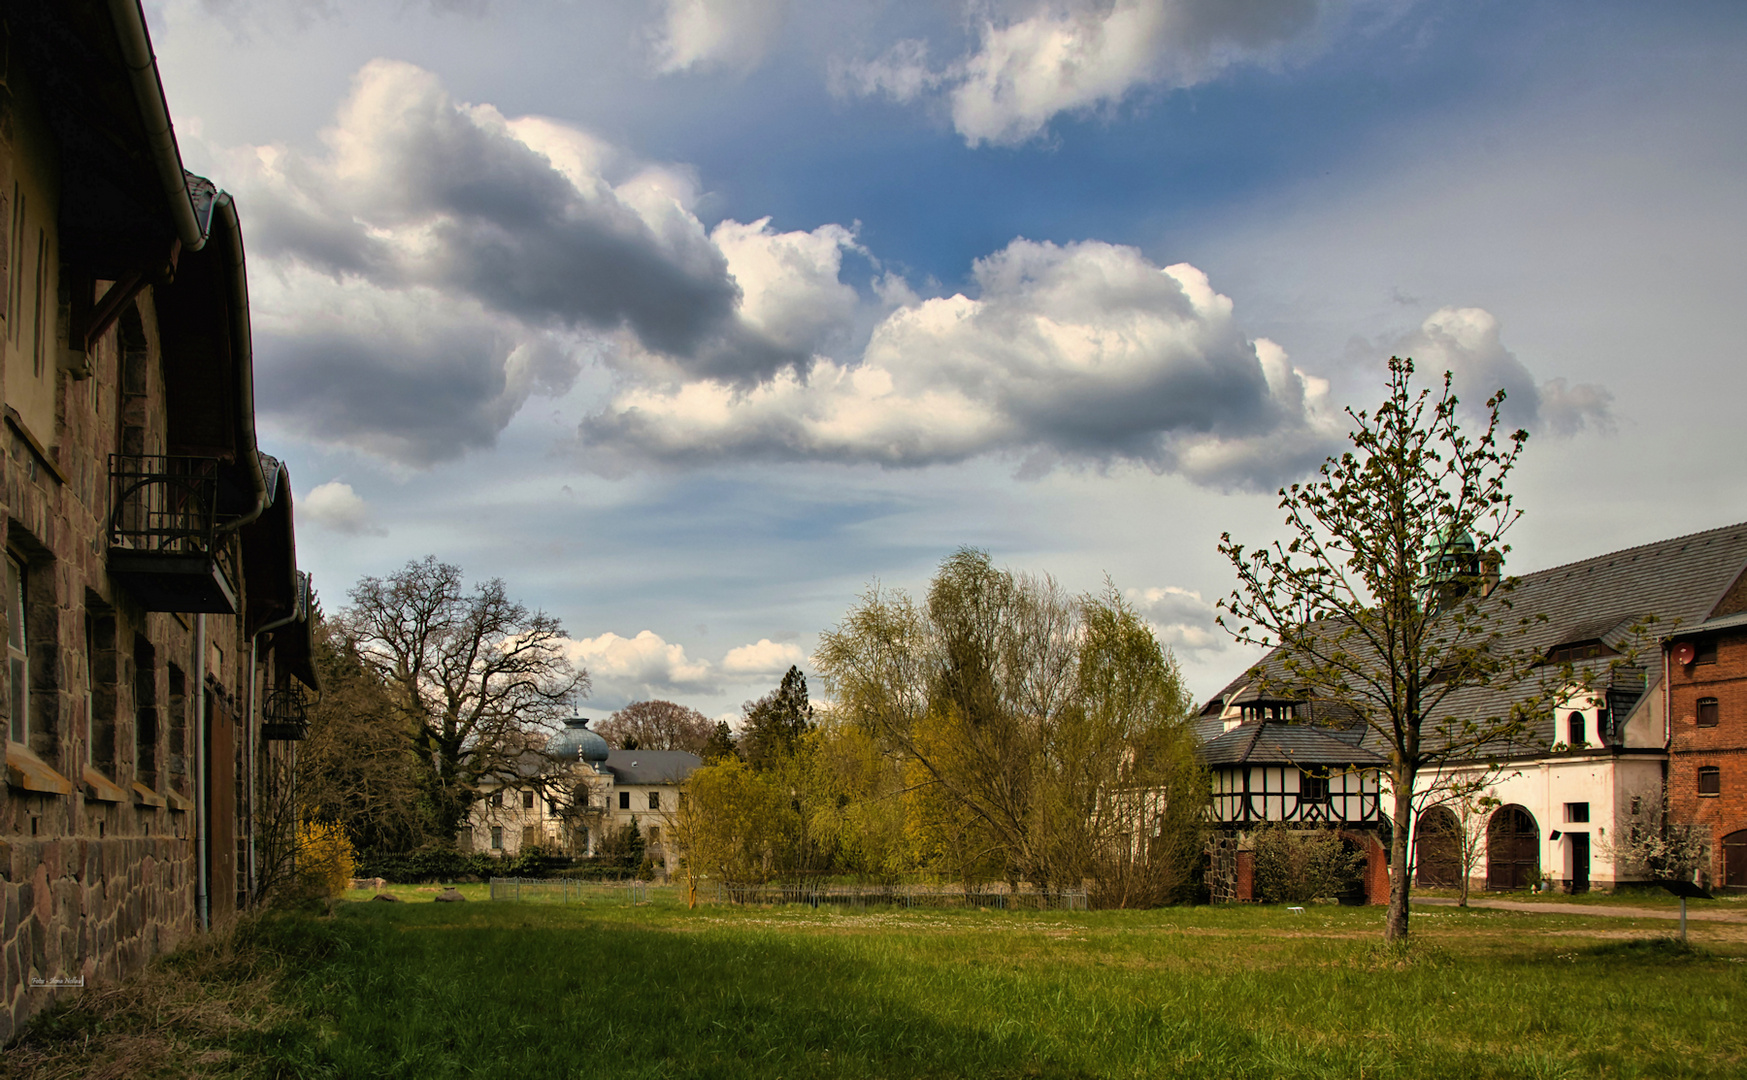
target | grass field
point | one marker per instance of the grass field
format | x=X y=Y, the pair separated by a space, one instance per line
x=605 y=989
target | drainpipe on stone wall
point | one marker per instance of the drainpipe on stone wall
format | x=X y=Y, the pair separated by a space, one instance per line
x=200 y=897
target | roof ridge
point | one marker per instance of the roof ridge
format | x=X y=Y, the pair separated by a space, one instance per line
x=1607 y=555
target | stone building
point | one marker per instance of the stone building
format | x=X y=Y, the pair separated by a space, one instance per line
x=154 y=614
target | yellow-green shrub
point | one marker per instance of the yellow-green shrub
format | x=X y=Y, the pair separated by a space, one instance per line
x=325 y=859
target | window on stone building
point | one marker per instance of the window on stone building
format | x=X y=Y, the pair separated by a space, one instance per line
x=18 y=650
x=530 y=836
x=496 y=798
x=1576 y=813
x=655 y=800
x=1710 y=780
x=1707 y=712
x=655 y=834
x=178 y=740
x=1705 y=651
x=527 y=800
x=145 y=712
x=497 y=838
x=624 y=800
x=100 y=748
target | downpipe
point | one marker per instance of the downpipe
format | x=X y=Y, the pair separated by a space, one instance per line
x=201 y=900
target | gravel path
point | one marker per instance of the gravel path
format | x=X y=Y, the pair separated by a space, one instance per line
x=1609 y=911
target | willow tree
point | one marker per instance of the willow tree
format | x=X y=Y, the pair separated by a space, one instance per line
x=1384 y=595
x=1041 y=733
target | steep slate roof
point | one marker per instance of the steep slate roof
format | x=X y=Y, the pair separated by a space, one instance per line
x=1273 y=743
x=1675 y=582
x=652 y=766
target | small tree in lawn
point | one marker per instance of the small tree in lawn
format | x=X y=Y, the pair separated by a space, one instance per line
x=1661 y=846
x=1460 y=821
x=1377 y=598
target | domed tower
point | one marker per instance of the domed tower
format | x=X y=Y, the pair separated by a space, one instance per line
x=577 y=743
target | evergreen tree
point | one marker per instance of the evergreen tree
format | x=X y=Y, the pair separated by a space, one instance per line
x=776 y=722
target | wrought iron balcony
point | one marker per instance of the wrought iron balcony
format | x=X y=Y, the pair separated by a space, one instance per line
x=163 y=530
x=285 y=714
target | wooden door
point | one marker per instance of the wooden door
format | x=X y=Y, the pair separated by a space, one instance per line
x=1735 y=860
x=1513 y=849
x=221 y=807
x=1437 y=845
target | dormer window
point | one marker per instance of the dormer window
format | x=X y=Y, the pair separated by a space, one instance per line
x=1265 y=711
x=1578 y=650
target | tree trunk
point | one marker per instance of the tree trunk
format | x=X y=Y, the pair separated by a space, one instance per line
x=1400 y=887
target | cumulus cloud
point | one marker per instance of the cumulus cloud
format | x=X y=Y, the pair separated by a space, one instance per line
x=649 y=666
x=701 y=35
x=1045 y=58
x=644 y=666
x=1080 y=353
x=767 y=657
x=1179 y=618
x=1466 y=342
x=334 y=505
x=438 y=263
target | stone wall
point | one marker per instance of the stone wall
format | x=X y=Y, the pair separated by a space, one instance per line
x=85 y=912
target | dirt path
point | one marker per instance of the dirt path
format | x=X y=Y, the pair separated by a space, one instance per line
x=1604 y=910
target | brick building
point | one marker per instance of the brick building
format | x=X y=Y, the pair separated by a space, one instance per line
x=1707 y=733
x=156 y=624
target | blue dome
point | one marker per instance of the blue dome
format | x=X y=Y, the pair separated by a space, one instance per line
x=577 y=743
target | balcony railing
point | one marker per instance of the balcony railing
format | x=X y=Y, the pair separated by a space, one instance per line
x=163 y=532
x=163 y=504
x=285 y=714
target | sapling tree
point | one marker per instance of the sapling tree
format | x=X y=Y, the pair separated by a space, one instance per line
x=1383 y=595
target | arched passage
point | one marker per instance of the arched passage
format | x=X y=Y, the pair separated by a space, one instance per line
x=1735 y=860
x=1513 y=849
x=1437 y=847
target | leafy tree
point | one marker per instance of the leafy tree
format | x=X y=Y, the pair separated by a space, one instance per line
x=720 y=744
x=472 y=675
x=1378 y=598
x=657 y=725
x=728 y=825
x=775 y=723
x=1293 y=866
x=1042 y=736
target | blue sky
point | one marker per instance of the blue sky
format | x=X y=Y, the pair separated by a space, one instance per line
x=691 y=318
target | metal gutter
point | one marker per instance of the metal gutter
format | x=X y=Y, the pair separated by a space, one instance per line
x=148 y=90
x=242 y=352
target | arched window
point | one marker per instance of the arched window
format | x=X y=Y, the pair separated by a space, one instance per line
x=1576 y=730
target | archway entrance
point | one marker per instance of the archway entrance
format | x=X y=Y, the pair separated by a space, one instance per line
x=1513 y=849
x=1437 y=846
x=1735 y=860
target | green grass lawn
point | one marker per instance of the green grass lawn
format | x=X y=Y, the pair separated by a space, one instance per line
x=606 y=989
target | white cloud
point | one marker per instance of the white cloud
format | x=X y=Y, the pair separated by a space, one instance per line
x=1077 y=55
x=1081 y=353
x=1466 y=343
x=695 y=35
x=623 y=669
x=336 y=506
x=767 y=657
x=642 y=666
x=1180 y=619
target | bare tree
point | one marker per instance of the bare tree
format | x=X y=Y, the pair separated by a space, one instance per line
x=1379 y=597
x=474 y=676
x=1455 y=828
x=656 y=725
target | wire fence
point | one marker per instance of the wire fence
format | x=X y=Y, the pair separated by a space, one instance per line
x=569 y=890
x=861 y=896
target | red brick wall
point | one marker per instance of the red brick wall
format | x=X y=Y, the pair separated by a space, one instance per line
x=1691 y=747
